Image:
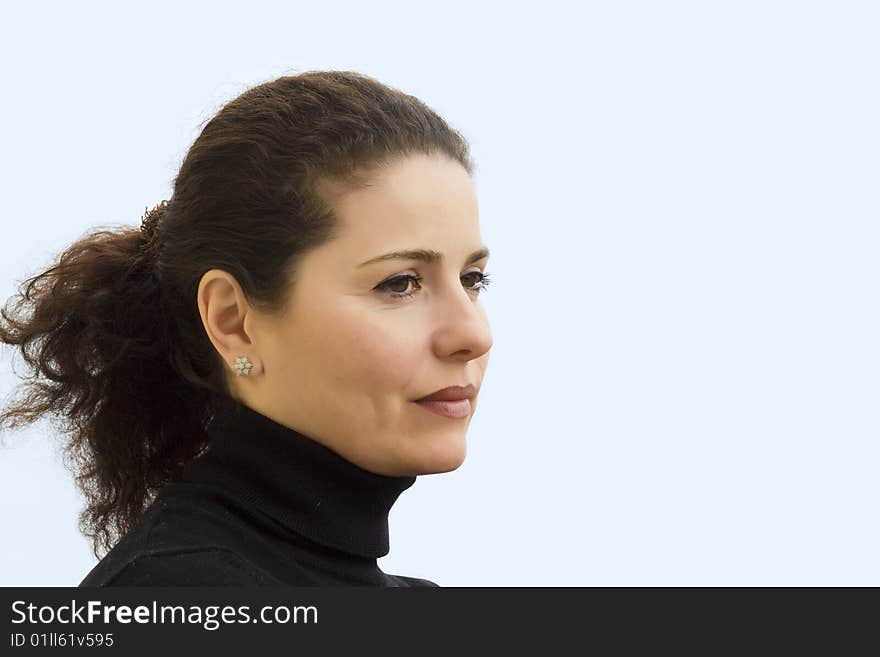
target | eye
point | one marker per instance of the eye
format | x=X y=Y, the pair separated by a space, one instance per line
x=482 y=280
x=397 y=287
x=393 y=286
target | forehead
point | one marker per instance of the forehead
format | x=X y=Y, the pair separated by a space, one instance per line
x=419 y=202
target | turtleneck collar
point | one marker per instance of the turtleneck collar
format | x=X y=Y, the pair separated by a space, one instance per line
x=299 y=482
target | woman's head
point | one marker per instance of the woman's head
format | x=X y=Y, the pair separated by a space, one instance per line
x=346 y=360
x=283 y=195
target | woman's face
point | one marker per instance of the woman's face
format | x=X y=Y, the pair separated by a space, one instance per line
x=347 y=361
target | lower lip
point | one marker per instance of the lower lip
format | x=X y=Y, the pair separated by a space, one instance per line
x=455 y=409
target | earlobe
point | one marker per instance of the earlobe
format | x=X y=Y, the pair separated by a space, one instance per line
x=243 y=366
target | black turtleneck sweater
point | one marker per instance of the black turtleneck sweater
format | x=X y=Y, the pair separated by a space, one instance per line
x=264 y=505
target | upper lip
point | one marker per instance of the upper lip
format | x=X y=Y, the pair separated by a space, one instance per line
x=452 y=393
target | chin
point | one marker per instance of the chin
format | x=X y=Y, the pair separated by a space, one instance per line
x=444 y=457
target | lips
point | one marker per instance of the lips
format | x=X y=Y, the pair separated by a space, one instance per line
x=452 y=393
x=453 y=409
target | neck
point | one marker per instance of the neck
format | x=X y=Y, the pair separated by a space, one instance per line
x=298 y=482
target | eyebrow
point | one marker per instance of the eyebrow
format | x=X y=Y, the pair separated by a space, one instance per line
x=425 y=255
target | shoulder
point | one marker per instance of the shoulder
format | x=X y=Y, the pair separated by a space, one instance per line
x=415 y=581
x=200 y=567
x=179 y=543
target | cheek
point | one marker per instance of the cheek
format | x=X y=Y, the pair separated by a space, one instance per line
x=369 y=355
x=380 y=359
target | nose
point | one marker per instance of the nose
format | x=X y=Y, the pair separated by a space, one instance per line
x=461 y=326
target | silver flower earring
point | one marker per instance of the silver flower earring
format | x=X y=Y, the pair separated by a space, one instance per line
x=243 y=365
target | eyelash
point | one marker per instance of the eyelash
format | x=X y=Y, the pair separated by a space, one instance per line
x=482 y=284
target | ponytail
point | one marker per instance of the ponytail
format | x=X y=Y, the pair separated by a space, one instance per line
x=92 y=327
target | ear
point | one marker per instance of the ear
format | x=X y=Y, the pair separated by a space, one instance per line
x=227 y=318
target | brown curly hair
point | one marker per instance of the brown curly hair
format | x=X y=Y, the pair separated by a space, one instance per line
x=111 y=332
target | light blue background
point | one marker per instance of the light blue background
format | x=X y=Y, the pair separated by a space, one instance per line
x=681 y=199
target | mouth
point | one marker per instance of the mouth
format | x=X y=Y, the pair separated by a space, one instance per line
x=451 y=393
x=453 y=408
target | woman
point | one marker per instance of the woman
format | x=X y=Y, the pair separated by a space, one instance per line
x=244 y=378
